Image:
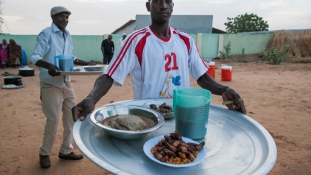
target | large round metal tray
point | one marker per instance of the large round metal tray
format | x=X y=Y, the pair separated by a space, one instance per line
x=235 y=144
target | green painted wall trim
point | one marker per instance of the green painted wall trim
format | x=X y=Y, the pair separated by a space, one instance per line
x=88 y=47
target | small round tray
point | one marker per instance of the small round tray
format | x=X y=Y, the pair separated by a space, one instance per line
x=12 y=86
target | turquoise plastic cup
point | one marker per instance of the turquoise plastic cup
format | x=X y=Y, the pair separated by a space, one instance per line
x=64 y=62
x=191 y=109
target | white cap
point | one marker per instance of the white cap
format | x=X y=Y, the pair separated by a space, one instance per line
x=59 y=9
x=211 y=63
x=124 y=34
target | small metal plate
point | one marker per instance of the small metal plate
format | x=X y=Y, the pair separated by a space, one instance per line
x=158 y=102
x=234 y=143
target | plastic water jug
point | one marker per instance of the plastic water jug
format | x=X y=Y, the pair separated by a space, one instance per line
x=191 y=109
x=226 y=72
x=64 y=62
x=211 y=70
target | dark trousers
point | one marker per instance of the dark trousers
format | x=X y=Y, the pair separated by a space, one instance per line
x=107 y=59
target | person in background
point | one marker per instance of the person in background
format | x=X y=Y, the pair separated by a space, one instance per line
x=4 y=54
x=121 y=39
x=56 y=92
x=107 y=48
x=15 y=54
x=159 y=59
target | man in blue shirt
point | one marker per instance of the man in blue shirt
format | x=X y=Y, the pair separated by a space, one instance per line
x=56 y=93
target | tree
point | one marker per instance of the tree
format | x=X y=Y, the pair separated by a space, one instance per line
x=246 y=23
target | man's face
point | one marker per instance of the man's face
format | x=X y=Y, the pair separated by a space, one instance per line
x=160 y=10
x=61 y=20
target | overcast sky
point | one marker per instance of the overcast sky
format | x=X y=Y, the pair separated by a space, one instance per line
x=98 y=17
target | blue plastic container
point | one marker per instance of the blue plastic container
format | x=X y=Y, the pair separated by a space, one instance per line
x=64 y=62
x=191 y=109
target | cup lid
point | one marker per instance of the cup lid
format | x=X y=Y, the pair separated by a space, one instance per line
x=211 y=63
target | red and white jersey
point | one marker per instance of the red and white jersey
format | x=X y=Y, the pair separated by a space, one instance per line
x=157 y=66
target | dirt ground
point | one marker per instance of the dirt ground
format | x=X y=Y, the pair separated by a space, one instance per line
x=276 y=96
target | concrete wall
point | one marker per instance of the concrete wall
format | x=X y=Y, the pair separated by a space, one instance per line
x=88 y=47
x=187 y=23
x=209 y=45
x=252 y=44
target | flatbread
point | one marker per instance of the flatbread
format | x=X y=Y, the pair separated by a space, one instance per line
x=128 y=122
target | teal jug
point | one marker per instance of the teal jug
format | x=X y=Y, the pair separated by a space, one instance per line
x=191 y=109
x=64 y=62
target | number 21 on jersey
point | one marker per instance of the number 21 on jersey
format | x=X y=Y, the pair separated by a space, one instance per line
x=169 y=59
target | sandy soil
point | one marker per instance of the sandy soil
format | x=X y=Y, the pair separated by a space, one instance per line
x=277 y=96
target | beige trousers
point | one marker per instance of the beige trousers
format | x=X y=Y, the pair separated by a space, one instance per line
x=54 y=101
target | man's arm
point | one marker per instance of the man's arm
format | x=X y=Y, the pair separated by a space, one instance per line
x=52 y=69
x=102 y=46
x=228 y=94
x=102 y=85
x=207 y=82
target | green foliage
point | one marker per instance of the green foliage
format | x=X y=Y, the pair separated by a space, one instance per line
x=246 y=23
x=276 y=56
x=226 y=54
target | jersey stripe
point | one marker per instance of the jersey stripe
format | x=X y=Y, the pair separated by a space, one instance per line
x=123 y=51
x=187 y=42
x=140 y=47
x=185 y=39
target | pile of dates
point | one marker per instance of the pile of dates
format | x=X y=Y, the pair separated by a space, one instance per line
x=172 y=149
x=163 y=108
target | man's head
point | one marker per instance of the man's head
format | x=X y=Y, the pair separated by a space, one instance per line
x=124 y=35
x=109 y=37
x=60 y=16
x=160 y=10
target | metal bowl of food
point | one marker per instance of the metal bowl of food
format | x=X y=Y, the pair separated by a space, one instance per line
x=95 y=68
x=126 y=121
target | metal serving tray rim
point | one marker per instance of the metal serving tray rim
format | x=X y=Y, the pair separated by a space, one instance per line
x=263 y=166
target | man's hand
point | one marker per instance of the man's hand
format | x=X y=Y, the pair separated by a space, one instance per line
x=237 y=103
x=81 y=110
x=53 y=70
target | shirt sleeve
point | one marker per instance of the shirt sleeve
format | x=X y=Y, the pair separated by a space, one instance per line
x=42 y=47
x=122 y=63
x=197 y=65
